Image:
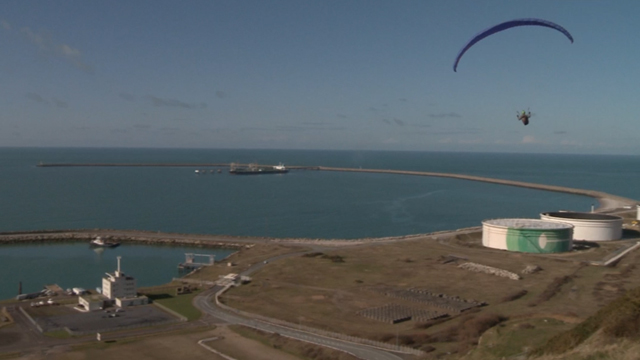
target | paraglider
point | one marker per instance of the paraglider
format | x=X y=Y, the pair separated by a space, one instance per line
x=508 y=25
x=524 y=116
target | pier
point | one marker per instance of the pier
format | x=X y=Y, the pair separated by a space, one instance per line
x=190 y=262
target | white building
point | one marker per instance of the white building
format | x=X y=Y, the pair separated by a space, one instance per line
x=122 y=289
x=90 y=302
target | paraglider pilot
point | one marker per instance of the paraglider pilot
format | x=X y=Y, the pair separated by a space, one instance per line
x=524 y=117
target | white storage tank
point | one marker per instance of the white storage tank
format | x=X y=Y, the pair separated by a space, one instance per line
x=638 y=212
x=589 y=226
x=527 y=235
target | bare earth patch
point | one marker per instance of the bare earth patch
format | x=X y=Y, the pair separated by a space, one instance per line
x=169 y=347
x=319 y=292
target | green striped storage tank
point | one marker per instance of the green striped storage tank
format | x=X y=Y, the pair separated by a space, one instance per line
x=527 y=235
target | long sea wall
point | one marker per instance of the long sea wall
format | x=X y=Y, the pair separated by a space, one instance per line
x=606 y=201
x=125 y=236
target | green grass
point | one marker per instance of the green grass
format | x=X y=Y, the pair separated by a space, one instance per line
x=619 y=319
x=13 y=355
x=108 y=340
x=182 y=304
x=60 y=334
x=514 y=337
x=250 y=334
x=299 y=349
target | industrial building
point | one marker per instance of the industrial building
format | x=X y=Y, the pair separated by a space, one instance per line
x=122 y=289
x=527 y=235
x=117 y=289
x=588 y=226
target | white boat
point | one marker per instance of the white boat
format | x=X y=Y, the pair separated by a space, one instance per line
x=99 y=242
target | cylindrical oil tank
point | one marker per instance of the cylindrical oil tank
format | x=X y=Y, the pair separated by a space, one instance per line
x=588 y=226
x=527 y=235
x=637 y=212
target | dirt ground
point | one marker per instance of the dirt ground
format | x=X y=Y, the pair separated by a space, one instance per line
x=328 y=290
x=169 y=347
x=243 y=259
x=318 y=292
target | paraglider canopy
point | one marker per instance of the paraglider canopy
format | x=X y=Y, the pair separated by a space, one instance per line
x=508 y=25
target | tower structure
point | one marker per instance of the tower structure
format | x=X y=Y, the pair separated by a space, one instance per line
x=118 y=285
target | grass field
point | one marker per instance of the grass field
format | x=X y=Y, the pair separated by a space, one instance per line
x=182 y=304
x=327 y=290
x=184 y=344
x=60 y=334
x=242 y=260
x=322 y=293
x=13 y=355
x=298 y=349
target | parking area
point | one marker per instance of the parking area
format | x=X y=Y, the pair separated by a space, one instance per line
x=104 y=320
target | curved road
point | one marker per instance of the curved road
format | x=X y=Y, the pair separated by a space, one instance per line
x=204 y=301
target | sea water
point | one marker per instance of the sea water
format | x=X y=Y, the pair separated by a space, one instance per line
x=77 y=265
x=301 y=203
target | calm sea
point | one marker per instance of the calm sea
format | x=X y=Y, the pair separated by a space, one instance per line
x=76 y=265
x=307 y=204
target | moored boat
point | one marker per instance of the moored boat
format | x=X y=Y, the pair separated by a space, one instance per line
x=98 y=241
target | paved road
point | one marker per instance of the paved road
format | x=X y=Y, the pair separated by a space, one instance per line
x=205 y=302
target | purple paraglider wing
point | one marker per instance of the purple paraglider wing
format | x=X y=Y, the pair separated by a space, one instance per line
x=508 y=25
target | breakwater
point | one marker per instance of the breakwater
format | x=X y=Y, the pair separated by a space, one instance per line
x=607 y=201
x=132 y=236
x=194 y=165
x=133 y=165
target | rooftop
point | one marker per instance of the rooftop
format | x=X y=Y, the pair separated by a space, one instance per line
x=581 y=215
x=528 y=224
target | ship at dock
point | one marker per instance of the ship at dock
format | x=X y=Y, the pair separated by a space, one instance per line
x=255 y=169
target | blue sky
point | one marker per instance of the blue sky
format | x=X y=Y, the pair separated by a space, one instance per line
x=354 y=75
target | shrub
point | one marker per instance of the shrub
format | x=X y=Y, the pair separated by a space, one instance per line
x=313 y=254
x=334 y=258
x=471 y=329
x=430 y=323
x=551 y=290
x=515 y=296
x=620 y=318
